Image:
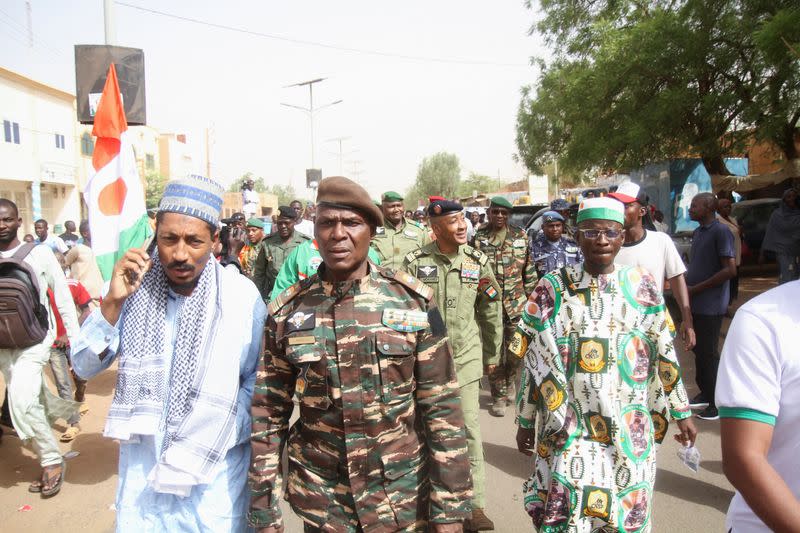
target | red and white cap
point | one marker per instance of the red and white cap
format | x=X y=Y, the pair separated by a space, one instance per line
x=630 y=192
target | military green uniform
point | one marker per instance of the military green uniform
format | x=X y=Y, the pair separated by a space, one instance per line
x=270 y=258
x=394 y=243
x=509 y=256
x=380 y=444
x=465 y=288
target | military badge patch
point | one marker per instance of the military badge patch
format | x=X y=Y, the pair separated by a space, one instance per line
x=380 y=231
x=405 y=320
x=491 y=292
x=428 y=273
x=519 y=243
x=410 y=234
x=301 y=321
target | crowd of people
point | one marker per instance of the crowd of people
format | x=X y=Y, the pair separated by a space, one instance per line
x=379 y=323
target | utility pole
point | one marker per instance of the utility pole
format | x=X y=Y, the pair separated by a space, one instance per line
x=356 y=170
x=341 y=153
x=209 y=133
x=108 y=22
x=310 y=109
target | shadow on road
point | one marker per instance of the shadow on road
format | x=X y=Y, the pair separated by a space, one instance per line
x=86 y=469
x=508 y=459
x=693 y=490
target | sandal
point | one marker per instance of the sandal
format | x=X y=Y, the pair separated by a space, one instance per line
x=70 y=434
x=55 y=488
x=36 y=486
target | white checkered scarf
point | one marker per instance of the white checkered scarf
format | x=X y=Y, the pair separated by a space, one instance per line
x=140 y=386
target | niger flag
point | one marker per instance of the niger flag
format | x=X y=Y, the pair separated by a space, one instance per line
x=117 y=214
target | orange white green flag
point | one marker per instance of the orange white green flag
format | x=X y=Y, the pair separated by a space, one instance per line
x=115 y=197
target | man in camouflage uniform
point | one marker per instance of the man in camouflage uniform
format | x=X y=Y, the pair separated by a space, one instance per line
x=380 y=444
x=274 y=250
x=509 y=256
x=463 y=284
x=398 y=235
x=551 y=249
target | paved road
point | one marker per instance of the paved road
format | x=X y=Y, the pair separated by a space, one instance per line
x=685 y=501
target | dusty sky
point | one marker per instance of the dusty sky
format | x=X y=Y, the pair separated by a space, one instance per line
x=441 y=75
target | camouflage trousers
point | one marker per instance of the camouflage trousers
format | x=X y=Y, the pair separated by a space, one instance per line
x=506 y=374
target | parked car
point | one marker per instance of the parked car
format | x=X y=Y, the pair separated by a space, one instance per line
x=753 y=217
x=522 y=215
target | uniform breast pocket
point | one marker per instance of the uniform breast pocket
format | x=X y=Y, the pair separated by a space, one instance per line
x=466 y=301
x=397 y=359
x=311 y=384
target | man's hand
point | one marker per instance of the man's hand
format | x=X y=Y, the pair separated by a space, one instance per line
x=526 y=439
x=687 y=335
x=125 y=280
x=691 y=290
x=688 y=433
x=236 y=241
x=61 y=342
x=450 y=527
x=489 y=369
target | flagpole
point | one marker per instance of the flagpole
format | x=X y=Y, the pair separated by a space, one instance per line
x=108 y=22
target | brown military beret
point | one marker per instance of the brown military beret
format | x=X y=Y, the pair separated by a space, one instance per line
x=338 y=191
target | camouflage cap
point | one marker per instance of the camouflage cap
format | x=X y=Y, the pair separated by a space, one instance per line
x=338 y=191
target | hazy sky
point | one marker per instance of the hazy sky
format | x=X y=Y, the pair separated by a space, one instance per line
x=458 y=92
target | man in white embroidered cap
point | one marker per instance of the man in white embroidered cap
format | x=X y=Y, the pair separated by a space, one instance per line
x=601 y=382
x=186 y=333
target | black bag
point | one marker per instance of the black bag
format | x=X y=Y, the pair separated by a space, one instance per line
x=24 y=320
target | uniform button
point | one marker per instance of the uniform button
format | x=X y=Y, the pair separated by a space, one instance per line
x=385 y=346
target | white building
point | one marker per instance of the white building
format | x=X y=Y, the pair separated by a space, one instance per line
x=39 y=150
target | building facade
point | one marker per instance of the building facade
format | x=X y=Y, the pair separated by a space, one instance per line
x=39 y=168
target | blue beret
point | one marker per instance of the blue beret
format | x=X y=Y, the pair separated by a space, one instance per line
x=551 y=216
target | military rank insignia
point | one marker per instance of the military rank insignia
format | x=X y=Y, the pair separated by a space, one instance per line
x=301 y=321
x=428 y=273
x=405 y=320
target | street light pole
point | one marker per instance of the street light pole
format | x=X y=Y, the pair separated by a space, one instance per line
x=310 y=109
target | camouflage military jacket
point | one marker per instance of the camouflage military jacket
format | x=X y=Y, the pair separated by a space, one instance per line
x=270 y=258
x=380 y=411
x=512 y=266
x=467 y=292
x=548 y=256
x=392 y=244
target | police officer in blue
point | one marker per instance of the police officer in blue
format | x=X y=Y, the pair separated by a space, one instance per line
x=551 y=249
x=561 y=206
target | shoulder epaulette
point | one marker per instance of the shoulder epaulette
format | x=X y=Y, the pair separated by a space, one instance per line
x=286 y=296
x=414 y=255
x=416 y=224
x=479 y=256
x=407 y=280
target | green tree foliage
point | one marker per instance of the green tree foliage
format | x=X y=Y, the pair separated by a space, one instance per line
x=154 y=189
x=634 y=82
x=285 y=193
x=477 y=183
x=258 y=185
x=438 y=174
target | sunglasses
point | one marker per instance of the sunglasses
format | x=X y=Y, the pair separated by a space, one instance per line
x=595 y=233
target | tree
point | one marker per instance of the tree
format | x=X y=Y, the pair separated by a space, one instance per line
x=154 y=189
x=439 y=175
x=634 y=82
x=258 y=185
x=285 y=193
x=477 y=183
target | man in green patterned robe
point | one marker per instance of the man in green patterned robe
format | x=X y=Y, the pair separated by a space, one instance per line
x=380 y=442
x=601 y=383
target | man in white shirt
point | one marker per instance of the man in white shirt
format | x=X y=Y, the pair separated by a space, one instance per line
x=55 y=242
x=759 y=408
x=30 y=401
x=655 y=252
